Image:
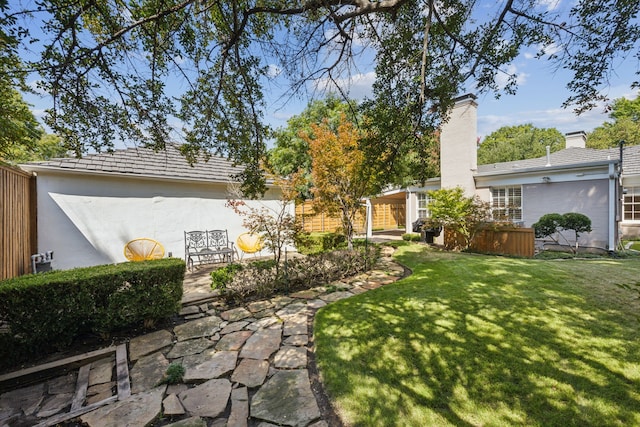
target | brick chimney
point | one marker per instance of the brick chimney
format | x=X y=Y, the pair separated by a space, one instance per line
x=459 y=145
x=575 y=139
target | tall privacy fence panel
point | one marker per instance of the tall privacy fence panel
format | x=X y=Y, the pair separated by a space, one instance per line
x=503 y=241
x=312 y=222
x=385 y=216
x=18 y=238
x=388 y=216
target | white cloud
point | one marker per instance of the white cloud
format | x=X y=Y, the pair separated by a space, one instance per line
x=549 y=4
x=273 y=70
x=503 y=76
x=357 y=86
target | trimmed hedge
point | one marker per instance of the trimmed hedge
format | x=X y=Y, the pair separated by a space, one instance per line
x=46 y=311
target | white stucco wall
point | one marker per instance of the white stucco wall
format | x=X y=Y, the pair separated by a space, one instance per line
x=86 y=220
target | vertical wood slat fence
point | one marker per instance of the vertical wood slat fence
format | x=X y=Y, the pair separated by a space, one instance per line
x=388 y=216
x=507 y=241
x=320 y=222
x=18 y=239
x=385 y=216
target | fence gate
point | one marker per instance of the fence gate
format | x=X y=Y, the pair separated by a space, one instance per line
x=18 y=238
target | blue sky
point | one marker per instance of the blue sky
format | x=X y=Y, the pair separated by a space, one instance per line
x=539 y=98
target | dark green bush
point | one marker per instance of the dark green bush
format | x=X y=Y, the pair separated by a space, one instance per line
x=411 y=237
x=46 y=311
x=224 y=275
x=260 y=280
x=313 y=243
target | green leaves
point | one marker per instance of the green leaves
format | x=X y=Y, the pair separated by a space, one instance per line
x=148 y=72
x=510 y=143
x=551 y=224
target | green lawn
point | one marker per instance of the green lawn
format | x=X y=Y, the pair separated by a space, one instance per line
x=472 y=340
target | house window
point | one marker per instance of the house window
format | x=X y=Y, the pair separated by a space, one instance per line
x=506 y=204
x=631 y=204
x=423 y=205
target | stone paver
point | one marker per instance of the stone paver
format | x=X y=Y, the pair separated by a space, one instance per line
x=251 y=372
x=219 y=364
x=205 y=327
x=235 y=314
x=148 y=372
x=186 y=348
x=239 y=415
x=208 y=399
x=138 y=410
x=101 y=371
x=286 y=399
x=290 y=358
x=262 y=344
x=171 y=406
x=149 y=343
x=233 y=341
x=189 y=422
x=243 y=366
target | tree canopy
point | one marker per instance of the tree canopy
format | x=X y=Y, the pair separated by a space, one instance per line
x=340 y=173
x=624 y=127
x=197 y=71
x=520 y=142
x=19 y=129
x=291 y=151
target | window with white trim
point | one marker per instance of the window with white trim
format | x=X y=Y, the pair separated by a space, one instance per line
x=506 y=203
x=631 y=204
x=423 y=205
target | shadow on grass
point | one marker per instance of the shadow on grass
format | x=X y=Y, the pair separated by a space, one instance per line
x=474 y=340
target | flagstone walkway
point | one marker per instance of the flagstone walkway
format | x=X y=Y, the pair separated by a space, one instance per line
x=245 y=366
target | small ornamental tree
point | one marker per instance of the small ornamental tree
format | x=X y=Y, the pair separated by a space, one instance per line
x=339 y=172
x=276 y=225
x=552 y=225
x=451 y=209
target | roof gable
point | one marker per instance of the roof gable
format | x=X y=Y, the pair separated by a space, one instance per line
x=569 y=157
x=168 y=164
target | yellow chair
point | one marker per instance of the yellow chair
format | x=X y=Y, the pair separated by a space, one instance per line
x=143 y=249
x=249 y=243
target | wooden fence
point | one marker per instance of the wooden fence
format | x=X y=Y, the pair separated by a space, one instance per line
x=506 y=241
x=388 y=216
x=18 y=238
x=385 y=216
x=320 y=222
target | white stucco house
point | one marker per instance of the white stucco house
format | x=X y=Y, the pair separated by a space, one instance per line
x=89 y=208
x=601 y=184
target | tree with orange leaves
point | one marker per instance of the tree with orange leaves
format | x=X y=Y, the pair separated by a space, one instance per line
x=339 y=171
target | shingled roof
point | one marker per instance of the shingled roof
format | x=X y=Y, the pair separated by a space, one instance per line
x=569 y=157
x=144 y=162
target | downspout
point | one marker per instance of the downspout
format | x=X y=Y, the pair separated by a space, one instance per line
x=613 y=207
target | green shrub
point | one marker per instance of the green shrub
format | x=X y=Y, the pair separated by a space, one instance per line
x=313 y=243
x=411 y=237
x=46 y=311
x=224 y=275
x=260 y=280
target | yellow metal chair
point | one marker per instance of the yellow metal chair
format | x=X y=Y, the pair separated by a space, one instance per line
x=143 y=249
x=249 y=243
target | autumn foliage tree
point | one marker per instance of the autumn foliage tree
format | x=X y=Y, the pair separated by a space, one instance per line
x=340 y=175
